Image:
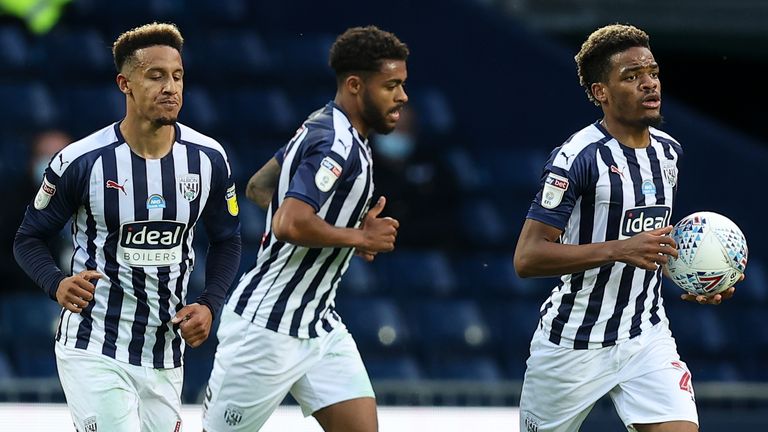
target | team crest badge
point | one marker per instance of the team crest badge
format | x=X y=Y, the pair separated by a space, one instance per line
x=189 y=186
x=233 y=415
x=89 y=424
x=669 y=170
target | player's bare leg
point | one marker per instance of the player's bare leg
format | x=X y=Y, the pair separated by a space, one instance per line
x=673 y=426
x=354 y=415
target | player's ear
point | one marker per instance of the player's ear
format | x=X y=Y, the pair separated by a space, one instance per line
x=123 y=84
x=599 y=92
x=353 y=83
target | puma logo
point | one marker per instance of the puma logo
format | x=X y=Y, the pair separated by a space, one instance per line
x=566 y=156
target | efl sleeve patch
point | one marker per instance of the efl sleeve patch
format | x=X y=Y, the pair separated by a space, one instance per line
x=554 y=189
x=231 y=197
x=327 y=174
x=44 y=195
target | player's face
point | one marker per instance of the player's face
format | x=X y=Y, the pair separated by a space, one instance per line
x=383 y=96
x=633 y=90
x=157 y=83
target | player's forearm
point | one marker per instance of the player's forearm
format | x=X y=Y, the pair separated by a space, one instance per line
x=546 y=259
x=262 y=184
x=34 y=257
x=312 y=231
x=220 y=269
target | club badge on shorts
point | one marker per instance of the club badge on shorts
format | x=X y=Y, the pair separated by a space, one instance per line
x=44 y=195
x=327 y=174
x=189 y=186
x=554 y=189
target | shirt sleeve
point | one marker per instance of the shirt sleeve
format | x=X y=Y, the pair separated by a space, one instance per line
x=54 y=204
x=560 y=186
x=318 y=174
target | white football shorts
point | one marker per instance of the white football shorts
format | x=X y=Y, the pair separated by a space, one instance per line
x=104 y=394
x=255 y=368
x=644 y=377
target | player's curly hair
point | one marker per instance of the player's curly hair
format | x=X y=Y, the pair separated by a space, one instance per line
x=594 y=59
x=126 y=45
x=361 y=49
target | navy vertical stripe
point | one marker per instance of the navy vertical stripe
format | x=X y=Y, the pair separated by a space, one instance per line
x=138 y=276
x=337 y=204
x=634 y=328
x=111 y=267
x=242 y=302
x=615 y=211
x=656 y=298
x=322 y=303
x=168 y=173
x=273 y=323
x=586 y=228
x=628 y=273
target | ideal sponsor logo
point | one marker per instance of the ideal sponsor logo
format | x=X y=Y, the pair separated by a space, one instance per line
x=642 y=219
x=150 y=243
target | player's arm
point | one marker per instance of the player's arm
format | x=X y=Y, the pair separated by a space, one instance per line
x=52 y=207
x=539 y=254
x=262 y=184
x=296 y=222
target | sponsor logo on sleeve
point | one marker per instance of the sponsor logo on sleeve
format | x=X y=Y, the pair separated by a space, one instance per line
x=231 y=197
x=554 y=189
x=44 y=195
x=327 y=174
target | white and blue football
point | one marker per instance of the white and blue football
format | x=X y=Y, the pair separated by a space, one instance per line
x=712 y=254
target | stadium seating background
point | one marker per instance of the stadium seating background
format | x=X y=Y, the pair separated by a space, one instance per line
x=495 y=98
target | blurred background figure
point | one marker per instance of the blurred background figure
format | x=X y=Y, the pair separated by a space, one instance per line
x=419 y=187
x=42 y=147
x=39 y=15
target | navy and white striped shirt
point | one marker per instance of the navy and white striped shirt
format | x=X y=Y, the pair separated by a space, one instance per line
x=134 y=222
x=291 y=289
x=595 y=190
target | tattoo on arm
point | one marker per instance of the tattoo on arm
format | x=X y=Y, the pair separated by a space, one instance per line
x=262 y=184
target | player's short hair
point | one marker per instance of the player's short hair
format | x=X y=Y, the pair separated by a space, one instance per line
x=594 y=59
x=361 y=49
x=126 y=45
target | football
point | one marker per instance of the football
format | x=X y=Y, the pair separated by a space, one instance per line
x=712 y=254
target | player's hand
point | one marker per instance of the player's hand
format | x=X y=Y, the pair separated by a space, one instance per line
x=194 y=321
x=76 y=292
x=711 y=300
x=649 y=249
x=366 y=255
x=378 y=233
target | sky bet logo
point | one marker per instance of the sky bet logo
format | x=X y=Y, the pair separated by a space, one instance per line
x=641 y=219
x=150 y=243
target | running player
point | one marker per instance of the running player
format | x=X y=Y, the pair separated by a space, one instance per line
x=279 y=331
x=135 y=190
x=602 y=221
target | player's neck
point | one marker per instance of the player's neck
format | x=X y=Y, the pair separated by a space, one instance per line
x=349 y=106
x=147 y=140
x=632 y=136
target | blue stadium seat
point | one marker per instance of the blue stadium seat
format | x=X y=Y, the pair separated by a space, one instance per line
x=481 y=223
x=78 y=56
x=86 y=109
x=258 y=113
x=6 y=368
x=34 y=362
x=412 y=272
x=14 y=51
x=28 y=325
x=375 y=323
x=433 y=111
x=33 y=107
x=392 y=367
x=515 y=172
x=754 y=288
x=704 y=369
x=242 y=53
x=252 y=222
x=447 y=326
x=359 y=280
x=198 y=111
x=493 y=275
x=697 y=330
x=198 y=363
x=306 y=55
x=470 y=368
x=466 y=170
